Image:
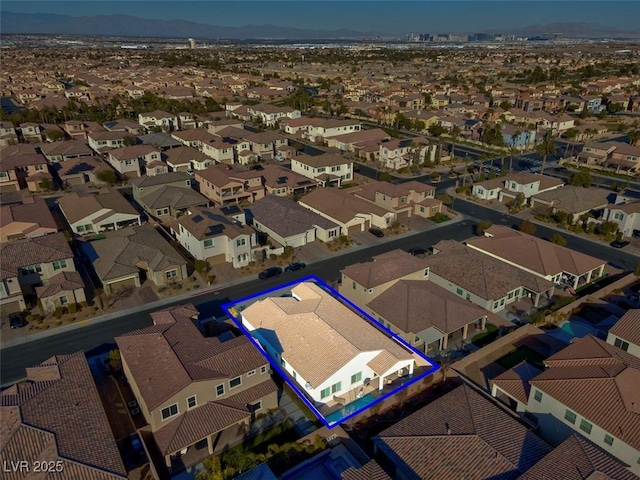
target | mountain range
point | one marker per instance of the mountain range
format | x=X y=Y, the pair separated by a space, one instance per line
x=130 y=26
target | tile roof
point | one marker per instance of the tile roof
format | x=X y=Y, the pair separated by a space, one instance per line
x=21 y=160
x=275 y=176
x=118 y=254
x=168 y=356
x=590 y=365
x=397 y=190
x=416 y=305
x=575 y=199
x=165 y=178
x=33 y=211
x=286 y=217
x=31 y=251
x=75 y=166
x=462 y=434
x=492 y=279
x=56 y=415
x=63 y=281
x=522 y=179
x=69 y=147
x=369 y=471
x=532 y=253
x=177 y=198
x=628 y=327
x=76 y=207
x=515 y=381
x=324 y=160
x=205 y=223
x=181 y=155
x=340 y=205
x=318 y=334
x=578 y=459
x=384 y=268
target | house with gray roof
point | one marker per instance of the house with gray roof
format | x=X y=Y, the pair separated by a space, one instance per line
x=126 y=256
x=576 y=201
x=167 y=195
x=288 y=223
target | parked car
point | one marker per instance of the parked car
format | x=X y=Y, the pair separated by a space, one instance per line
x=16 y=320
x=257 y=166
x=270 y=272
x=376 y=232
x=417 y=251
x=294 y=267
x=619 y=243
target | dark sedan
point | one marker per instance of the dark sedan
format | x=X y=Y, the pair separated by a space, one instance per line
x=619 y=243
x=270 y=272
x=294 y=267
x=376 y=232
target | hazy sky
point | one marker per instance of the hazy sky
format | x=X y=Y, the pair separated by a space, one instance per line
x=381 y=16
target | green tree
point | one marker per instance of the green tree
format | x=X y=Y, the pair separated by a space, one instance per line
x=581 y=178
x=633 y=136
x=558 y=240
x=129 y=140
x=527 y=227
x=570 y=134
x=436 y=130
x=505 y=105
x=455 y=134
x=384 y=176
x=483 y=226
x=54 y=135
x=545 y=148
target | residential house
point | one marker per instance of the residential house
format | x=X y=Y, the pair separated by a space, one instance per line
x=124 y=125
x=130 y=162
x=56 y=152
x=265 y=144
x=219 y=150
x=510 y=186
x=557 y=264
x=351 y=213
x=155 y=168
x=167 y=122
x=25 y=170
x=193 y=138
x=63 y=289
x=625 y=211
x=31 y=132
x=215 y=235
x=160 y=141
x=281 y=181
x=199 y=390
x=269 y=114
x=167 y=195
x=76 y=129
x=8 y=135
x=462 y=434
x=104 y=211
x=576 y=201
x=406 y=199
x=186 y=120
x=352 y=142
x=300 y=125
x=596 y=153
x=289 y=224
x=29 y=219
x=513 y=136
x=322 y=129
x=225 y=186
x=403 y=152
x=625 y=157
x=562 y=402
x=181 y=159
x=326 y=169
x=395 y=290
x=625 y=334
x=493 y=284
x=55 y=417
x=80 y=170
x=125 y=256
x=102 y=140
x=294 y=331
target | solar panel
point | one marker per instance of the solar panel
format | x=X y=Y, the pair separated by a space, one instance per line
x=197 y=219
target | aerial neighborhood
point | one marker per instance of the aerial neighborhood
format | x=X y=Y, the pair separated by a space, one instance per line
x=290 y=261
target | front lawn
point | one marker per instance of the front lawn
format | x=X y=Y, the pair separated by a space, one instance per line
x=440 y=218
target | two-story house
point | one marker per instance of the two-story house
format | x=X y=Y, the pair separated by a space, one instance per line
x=160 y=119
x=406 y=199
x=8 y=135
x=596 y=153
x=625 y=334
x=25 y=170
x=625 y=211
x=29 y=219
x=211 y=235
x=181 y=159
x=626 y=157
x=510 y=186
x=265 y=144
x=167 y=195
x=130 y=162
x=225 y=186
x=269 y=114
x=322 y=129
x=95 y=213
x=56 y=152
x=102 y=140
x=281 y=181
x=197 y=391
x=326 y=169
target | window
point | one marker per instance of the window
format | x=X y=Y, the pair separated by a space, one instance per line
x=510 y=296
x=621 y=344
x=333 y=233
x=235 y=382
x=58 y=264
x=162 y=211
x=171 y=273
x=537 y=396
x=64 y=300
x=356 y=377
x=170 y=411
x=241 y=242
x=263 y=369
x=608 y=439
x=254 y=407
x=324 y=393
x=283 y=363
x=585 y=426
x=251 y=373
x=191 y=402
x=80 y=228
x=336 y=387
x=220 y=389
x=426 y=272
x=31 y=269
x=495 y=305
x=293 y=374
x=459 y=291
x=617 y=216
x=208 y=243
x=4 y=175
x=416 y=339
x=353 y=285
x=570 y=417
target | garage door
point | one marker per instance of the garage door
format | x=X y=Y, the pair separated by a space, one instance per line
x=122 y=284
x=402 y=216
x=217 y=259
x=11 y=307
x=354 y=229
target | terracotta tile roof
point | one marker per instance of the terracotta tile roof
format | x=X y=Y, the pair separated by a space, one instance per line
x=131 y=152
x=275 y=176
x=369 y=471
x=384 y=268
x=177 y=198
x=63 y=281
x=628 y=327
x=69 y=147
x=271 y=211
x=317 y=334
x=60 y=417
x=181 y=155
x=21 y=160
x=532 y=253
x=462 y=434
x=33 y=211
x=578 y=459
x=75 y=166
x=522 y=179
x=396 y=190
x=590 y=365
x=324 y=160
x=340 y=205
x=31 y=251
x=76 y=207
x=205 y=223
x=492 y=279
x=416 y=305
x=515 y=381
x=171 y=354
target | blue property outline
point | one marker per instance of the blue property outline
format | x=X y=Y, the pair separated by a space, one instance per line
x=285 y=376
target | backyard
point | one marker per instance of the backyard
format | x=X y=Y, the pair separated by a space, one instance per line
x=520 y=354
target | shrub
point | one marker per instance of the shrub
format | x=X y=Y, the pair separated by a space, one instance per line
x=558 y=240
x=84 y=304
x=527 y=227
x=288 y=251
x=344 y=240
x=273 y=257
x=201 y=266
x=439 y=218
x=59 y=311
x=482 y=226
x=444 y=198
x=73 y=307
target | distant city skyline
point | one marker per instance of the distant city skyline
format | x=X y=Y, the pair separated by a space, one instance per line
x=366 y=16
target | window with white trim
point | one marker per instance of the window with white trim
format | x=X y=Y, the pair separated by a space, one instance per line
x=251 y=373
x=192 y=402
x=59 y=264
x=171 y=273
x=263 y=369
x=170 y=411
x=220 y=389
x=235 y=382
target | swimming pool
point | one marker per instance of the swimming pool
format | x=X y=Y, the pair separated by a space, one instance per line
x=577 y=329
x=348 y=409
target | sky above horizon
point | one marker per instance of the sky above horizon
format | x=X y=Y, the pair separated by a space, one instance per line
x=363 y=15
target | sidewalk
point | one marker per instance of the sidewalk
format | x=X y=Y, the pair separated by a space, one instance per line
x=188 y=296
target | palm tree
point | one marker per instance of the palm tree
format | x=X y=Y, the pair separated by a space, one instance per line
x=545 y=148
x=512 y=152
x=455 y=133
x=633 y=136
x=570 y=134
